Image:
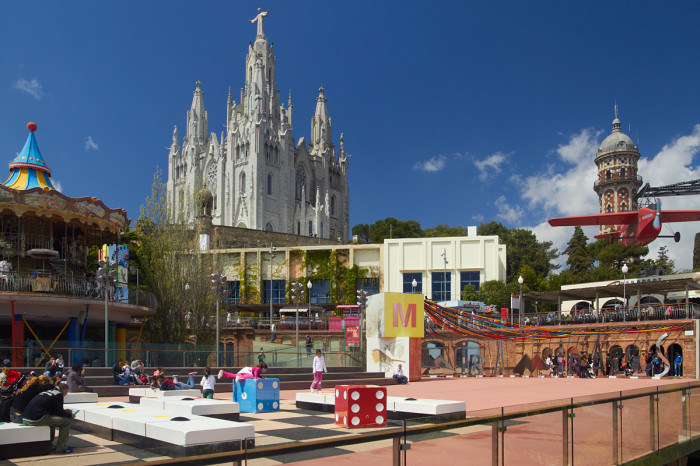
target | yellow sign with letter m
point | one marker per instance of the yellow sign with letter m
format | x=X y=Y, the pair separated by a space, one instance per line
x=403 y=315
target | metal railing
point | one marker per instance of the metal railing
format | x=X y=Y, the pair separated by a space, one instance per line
x=647 y=426
x=73 y=286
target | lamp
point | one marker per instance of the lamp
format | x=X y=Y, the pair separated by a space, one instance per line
x=520 y=300
x=218 y=282
x=414 y=283
x=625 y=269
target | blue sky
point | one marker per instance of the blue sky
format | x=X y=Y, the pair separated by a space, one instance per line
x=453 y=112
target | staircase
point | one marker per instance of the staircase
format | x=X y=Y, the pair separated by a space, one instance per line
x=291 y=378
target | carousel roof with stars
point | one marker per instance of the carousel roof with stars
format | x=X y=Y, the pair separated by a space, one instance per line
x=29 y=170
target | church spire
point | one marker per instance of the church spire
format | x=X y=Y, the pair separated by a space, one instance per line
x=197 y=118
x=321 y=124
x=616 y=124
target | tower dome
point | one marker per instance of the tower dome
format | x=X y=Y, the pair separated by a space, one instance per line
x=29 y=170
x=618 y=180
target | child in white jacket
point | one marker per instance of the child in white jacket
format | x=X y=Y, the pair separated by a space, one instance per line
x=319 y=367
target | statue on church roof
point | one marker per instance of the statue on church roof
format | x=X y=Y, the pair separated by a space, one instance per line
x=259 y=19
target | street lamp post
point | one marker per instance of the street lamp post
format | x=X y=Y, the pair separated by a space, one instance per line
x=444 y=281
x=520 y=300
x=107 y=276
x=297 y=294
x=414 y=283
x=218 y=282
x=362 y=301
x=625 y=269
x=272 y=256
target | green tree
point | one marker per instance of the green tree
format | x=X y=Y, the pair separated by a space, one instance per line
x=696 y=252
x=494 y=292
x=173 y=272
x=469 y=293
x=444 y=230
x=361 y=230
x=580 y=259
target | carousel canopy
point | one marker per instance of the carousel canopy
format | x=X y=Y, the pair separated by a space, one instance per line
x=29 y=169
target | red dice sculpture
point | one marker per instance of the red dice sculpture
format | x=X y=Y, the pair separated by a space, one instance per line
x=360 y=406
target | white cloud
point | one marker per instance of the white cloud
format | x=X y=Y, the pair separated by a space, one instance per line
x=479 y=218
x=57 y=185
x=507 y=213
x=90 y=144
x=29 y=86
x=491 y=164
x=563 y=190
x=434 y=164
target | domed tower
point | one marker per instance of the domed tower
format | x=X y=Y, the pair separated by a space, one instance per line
x=618 y=181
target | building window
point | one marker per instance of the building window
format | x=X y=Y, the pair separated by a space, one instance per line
x=333 y=206
x=268 y=227
x=408 y=282
x=311 y=228
x=232 y=293
x=623 y=172
x=242 y=183
x=278 y=289
x=470 y=277
x=300 y=183
x=623 y=207
x=608 y=209
x=441 y=286
x=269 y=185
x=370 y=285
x=608 y=175
x=320 y=292
x=321 y=230
x=298 y=228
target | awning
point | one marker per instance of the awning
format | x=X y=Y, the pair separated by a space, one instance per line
x=305 y=310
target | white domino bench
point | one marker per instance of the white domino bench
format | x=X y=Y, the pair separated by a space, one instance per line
x=136 y=393
x=397 y=407
x=188 y=406
x=154 y=428
x=19 y=441
x=80 y=397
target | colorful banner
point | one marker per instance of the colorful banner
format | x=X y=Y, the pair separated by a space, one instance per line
x=352 y=336
x=403 y=315
x=121 y=257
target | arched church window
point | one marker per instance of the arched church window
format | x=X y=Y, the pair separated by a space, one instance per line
x=311 y=228
x=268 y=227
x=269 y=184
x=298 y=228
x=332 y=205
x=608 y=175
x=623 y=207
x=623 y=172
x=608 y=209
x=321 y=231
x=300 y=182
x=242 y=183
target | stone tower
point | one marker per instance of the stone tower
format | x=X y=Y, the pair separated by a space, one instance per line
x=618 y=181
x=259 y=177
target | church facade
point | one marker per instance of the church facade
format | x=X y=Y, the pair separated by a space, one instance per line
x=258 y=175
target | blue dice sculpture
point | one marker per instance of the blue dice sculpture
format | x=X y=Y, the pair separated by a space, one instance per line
x=257 y=395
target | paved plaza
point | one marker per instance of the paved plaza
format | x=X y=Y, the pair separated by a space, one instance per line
x=483 y=396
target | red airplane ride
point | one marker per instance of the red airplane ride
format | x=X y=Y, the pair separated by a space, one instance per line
x=634 y=228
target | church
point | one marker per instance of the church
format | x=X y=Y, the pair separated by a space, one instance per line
x=259 y=177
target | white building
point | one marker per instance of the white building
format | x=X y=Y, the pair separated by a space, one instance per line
x=259 y=177
x=442 y=267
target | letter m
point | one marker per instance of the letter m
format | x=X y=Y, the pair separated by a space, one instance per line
x=403 y=320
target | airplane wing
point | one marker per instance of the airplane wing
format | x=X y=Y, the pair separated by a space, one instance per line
x=618 y=218
x=670 y=216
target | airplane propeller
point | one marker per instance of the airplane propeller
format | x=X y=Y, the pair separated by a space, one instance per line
x=657 y=217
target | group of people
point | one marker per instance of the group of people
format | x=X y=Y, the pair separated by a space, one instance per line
x=129 y=374
x=38 y=401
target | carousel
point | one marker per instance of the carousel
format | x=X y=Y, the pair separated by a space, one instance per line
x=46 y=270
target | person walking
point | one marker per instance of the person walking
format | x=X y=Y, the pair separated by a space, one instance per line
x=309 y=345
x=319 y=367
x=273 y=334
x=261 y=356
x=46 y=409
x=208 y=382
